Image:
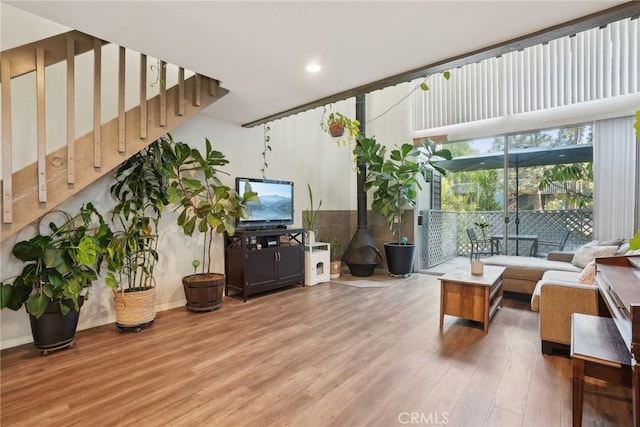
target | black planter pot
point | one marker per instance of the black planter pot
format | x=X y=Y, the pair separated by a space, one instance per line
x=203 y=291
x=53 y=329
x=400 y=258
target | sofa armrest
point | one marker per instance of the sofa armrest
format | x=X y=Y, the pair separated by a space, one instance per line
x=557 y=302
x=560 y=256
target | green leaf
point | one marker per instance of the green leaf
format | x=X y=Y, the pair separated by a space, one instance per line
x=182 y=218
x=47 y=290
x=21 y=293
x=446 y=75
x=27 y=251
x=6 y=295
x=111 y=280
x=189 y=226
x=74 y=287
x=64 y=309
x=634 y=242
x=174 y=195
x=194 y=184
x=445 y=154
x=424 y=86
x=37 y=304
x=53 y=257
x=87 y=251
x=66 y=265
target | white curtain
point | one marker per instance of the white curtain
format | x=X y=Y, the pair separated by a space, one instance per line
x=616 y=179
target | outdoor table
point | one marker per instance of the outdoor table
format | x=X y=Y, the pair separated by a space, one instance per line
x=497 y=238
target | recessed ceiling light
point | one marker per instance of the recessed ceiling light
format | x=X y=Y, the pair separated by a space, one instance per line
x=313 y=68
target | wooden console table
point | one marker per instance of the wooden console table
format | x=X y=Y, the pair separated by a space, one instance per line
x=618 y=283
x=597 y=351
x=472 y=297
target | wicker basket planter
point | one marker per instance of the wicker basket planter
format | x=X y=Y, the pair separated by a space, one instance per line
x=134 y=309
x=203 y=291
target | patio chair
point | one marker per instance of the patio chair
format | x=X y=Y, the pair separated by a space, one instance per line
x=559 y=246
x=478 y=247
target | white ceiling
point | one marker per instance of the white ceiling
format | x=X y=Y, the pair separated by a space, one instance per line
x=259 y=49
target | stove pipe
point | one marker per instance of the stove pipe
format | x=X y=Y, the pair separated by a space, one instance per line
x=361 y=255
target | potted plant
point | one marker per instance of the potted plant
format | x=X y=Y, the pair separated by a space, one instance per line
x=205 y=204
x=477 y=267
x=309 y=218
x=395 y=179
x=58 y=269
x=336 y=123
x=336 y=258
x=140 y=190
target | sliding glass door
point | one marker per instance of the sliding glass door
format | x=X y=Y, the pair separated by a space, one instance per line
x=523 y=192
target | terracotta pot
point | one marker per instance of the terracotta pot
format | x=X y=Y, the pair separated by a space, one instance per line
x=336 y=129
x=335 y=268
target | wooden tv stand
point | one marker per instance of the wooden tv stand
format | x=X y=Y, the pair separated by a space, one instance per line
x=263 y=260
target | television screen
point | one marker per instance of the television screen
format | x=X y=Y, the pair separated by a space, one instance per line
x=275 y=205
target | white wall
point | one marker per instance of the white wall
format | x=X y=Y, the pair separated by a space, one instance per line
x=19 y=28
x=301 y=152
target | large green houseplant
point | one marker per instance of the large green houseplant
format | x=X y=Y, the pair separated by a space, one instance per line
x=59 y=267
x=140 y=190
x=206 y=205
x=394 y=176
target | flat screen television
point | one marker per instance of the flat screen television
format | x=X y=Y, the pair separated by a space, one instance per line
x=275 y=206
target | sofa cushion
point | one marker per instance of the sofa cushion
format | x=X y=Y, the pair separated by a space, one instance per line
x=611 y=242
x=561 y=276
x=522 y=273
x=526 y=267
x=551 y=276
x=623 y=248
x=588 y=275
x=587 y=253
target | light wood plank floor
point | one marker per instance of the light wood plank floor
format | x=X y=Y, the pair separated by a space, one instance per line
x=324 y=355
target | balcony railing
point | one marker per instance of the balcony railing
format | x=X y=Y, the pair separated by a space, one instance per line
x=445 y=234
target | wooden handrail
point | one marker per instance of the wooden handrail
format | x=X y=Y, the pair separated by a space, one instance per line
x=26 y=208
x=54 y=177
x=23 y=60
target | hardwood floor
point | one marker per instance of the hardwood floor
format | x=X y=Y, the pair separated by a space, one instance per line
x=324 y=355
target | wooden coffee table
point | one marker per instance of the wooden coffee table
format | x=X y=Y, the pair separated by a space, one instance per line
x=470 y=296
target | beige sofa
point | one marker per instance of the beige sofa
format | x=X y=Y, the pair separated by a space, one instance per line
x=555 y=292
x=523 y=273
x=556 y=296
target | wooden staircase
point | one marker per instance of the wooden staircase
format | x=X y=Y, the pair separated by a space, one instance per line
x=56 y=176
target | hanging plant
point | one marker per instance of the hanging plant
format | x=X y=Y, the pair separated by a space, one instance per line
x=267 y=148
x=157 y=68
x=337 y=123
